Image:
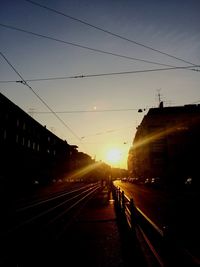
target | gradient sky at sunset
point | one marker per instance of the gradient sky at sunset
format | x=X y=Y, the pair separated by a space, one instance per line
x=171 y=26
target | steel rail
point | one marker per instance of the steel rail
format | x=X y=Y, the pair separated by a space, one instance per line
x=90 y=191
x=48 y=199
x=52 y=208
x=82 y=201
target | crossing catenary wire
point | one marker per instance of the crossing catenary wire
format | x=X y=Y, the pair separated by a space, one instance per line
x=108 y=32
x=104 y=74
x=84 y=47
x=23 y=81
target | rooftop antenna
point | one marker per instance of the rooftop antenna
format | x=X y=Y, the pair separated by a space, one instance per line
x=160 y=103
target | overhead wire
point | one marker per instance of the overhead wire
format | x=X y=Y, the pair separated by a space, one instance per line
x=108 y=32
x=51 y=111
x=82 y=46
x=102 y=74
x=24 y=82
x=106 y=132
x=90 y=75
x=87 y=111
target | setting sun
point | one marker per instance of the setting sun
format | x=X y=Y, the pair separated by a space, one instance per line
x=114 y=156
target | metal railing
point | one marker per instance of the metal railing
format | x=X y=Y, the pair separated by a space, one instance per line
x=158 y=246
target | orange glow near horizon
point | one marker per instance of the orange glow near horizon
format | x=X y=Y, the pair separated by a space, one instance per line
x=79 y=173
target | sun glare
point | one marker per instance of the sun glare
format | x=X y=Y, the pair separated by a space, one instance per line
x=114 y=156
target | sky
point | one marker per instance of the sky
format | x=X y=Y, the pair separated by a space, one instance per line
x=77 y=38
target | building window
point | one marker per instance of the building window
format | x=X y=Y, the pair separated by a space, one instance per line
x=17 y=138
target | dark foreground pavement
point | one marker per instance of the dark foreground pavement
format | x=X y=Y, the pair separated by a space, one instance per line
x=98 y=239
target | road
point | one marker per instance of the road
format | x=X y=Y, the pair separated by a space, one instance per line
x=178 y=210
x=33 y=224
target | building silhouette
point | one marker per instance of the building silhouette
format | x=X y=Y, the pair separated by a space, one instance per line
x=28 y=150
x=167 y=145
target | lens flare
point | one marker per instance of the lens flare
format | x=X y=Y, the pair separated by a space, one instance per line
x=114 y=156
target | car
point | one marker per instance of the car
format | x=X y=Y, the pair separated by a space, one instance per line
x=156 y=182
x=147 y=181
x=188 y=181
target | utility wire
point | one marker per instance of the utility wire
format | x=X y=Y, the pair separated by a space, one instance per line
x=100 y=110
x=107 y=132
x=102 y=74
x=82 y=46
x=108 y=32
x=46 y=105
x=87 y=111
